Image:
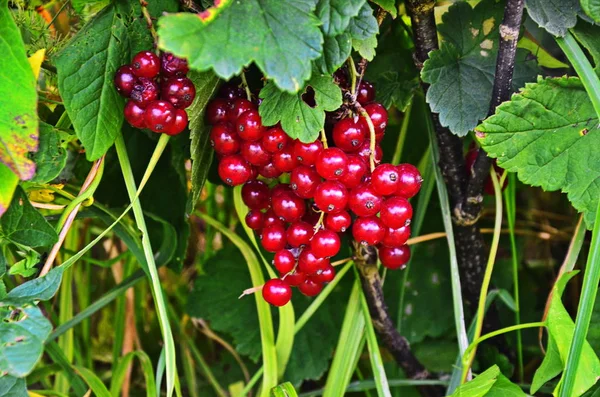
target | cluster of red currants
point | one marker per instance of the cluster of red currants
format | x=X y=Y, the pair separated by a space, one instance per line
x=158 y=108
x=300 y=222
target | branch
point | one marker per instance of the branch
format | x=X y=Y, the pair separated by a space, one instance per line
x=366 y=262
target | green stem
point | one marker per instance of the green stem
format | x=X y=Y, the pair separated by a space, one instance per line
x=591 y=82
x=353 y=73
x=246 y=87
x=403 y=134
x=159 y=299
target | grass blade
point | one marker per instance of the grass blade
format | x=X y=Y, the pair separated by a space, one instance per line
x=118 y=374
x=93 y=382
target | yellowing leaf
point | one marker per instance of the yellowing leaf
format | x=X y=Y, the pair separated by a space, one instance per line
x=36 y=61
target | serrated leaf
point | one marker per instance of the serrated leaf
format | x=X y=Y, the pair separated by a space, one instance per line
x=336 y=14
x=592 y=9
x=589 y=36
x=556 y=16
x=281 y=36
x=51 y=157
x=24 y=225
x=8 y=184
x=86 y=67
x=335 y=52
x=364 y=25
x=461 y=72
x=298 y=119
x=18 y=100
x=11 y=386
x=394 y=89
x=388 y=5
x=548 y=134
x=365 y=48
x=201 y=152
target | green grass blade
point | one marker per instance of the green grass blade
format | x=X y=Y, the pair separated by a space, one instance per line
x=95 y=384
x=284 y=390
x=403 y=133
x=66 y=341
x=59 y=358
x=120 y=371
x=366 y=385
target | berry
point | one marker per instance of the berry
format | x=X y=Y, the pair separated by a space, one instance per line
x=309 y=263
x=364 y=201
x=324 y=275
x=181 y=121
x=224 y=139
x=385 y=179
x=159 y=116
x=394 y=258
x=410 y=180
x=299 y=234
x=144 y=91
x=134 y=115
x=338 y=222
x=368 y=230
x=331 y=163
x=180 y=91
x=331 y=196
x=365 y=93
x=124 y=80
x=272 y=238
x=269 y=171
x=232 y=91
x=396 y=212
x=396 y=237
x=356 y=169
x=280 y=189
x=310 y=287
x=294 y=279
x=288 y=206
x=254 y=153
x=270 y=219
x=304 y=181
x=255 y=219
x=216 y=111
x=325 y=243
x=275 y=139
x=170 y=65
x=234 y=170
x=277 y=292
x=284 y=261
x=307 y=153
x=284 y=160
x=255 y=195
x=365 y=152
x=379 y=118
x=237 y=108
x=349 y=135
x=249 y=126
x=145 y=64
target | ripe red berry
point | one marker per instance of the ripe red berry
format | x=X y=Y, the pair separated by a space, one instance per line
x=364 y=201
x=385 y=179
x=224 y=139
x=280 y=189
x=254 y=153
x=234 y=170
x=276 y=292
x=338 y=222
x=216 y=111
x=159 y=116
x=365 y=93
x=144 y=91
x=269 y=170
x=394 y=257
x=396 y=237
x=170 y=65
x=307 y=153
x=324 y=275
x=309 y=263
x=273 y=238
x=325 y=243
x=180 y=91
x=294 y=279
x=299 y=234
x=410 y=180
x=368 y=230
x=181 y=121
x=304 y=181
x=365 y=152
x=284 y=261
x=270 y=219
x=331 y=163
x=249 y=126
x=255 y=219
x=288 y=206
x=356 y=170
x=275 y=139
x=310 y=287
x=237 y=108
x=379 y=118
x=331 y=196
x=145 y=64
x=396 y=212
x=124 y=80
x=284 y=160
x=349 y=135
x=134 y=115
x=255 y=195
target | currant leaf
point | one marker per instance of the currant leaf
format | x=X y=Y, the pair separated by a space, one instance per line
x=281 y=36
x=548 y=134
x=366 y=48
x=335 y=52
x=388 y=5
x=592 y=9
x=51 y=156
x=556 y=16
x=364 y=25
x=299 y=119
x=336 y=14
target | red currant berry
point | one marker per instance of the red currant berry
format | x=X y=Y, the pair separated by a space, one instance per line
x=255 y=194
x=288 y=206
x=254 y=153
x=180 y=91
x=299 y=234
x=394 y=257
x=124 y=80
x=356 y=170
x=307 y=153
x=309 y=263
x=310 y=287
x=145 y=64
x=255 y=219
x=284 y=261
x=410 y=180
x=275 y=139
x=159 y=116
x=338 y=222
x=368 y=230
x=144 y=91
x=134 y=115
x=349 y=135
x=284 y=160
x=364 y=201
x=272 y=238
x=269 y=171
x=325 y=243
x=365 y=93
x=331 y=163
x=276 y=292
x=385 y=179
x=365 y=152
x=216 y=111
x=224 y=139
x=294 y=279
x=304 y=181
x=237 y=108
x=396 y=212
x=270 y=219
x=324 y=275
x=249 y=126
x=234 y=170
x=170 y=65
x=379 y=118
x=396 y=237
x=232 y=91
x=280 y=189
x=181 y=121
x=331 y=196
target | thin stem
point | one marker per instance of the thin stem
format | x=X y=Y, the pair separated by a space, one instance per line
x=149 y=22
x=324 y=139
x=353 y=74
x=246 y=86
x=363 y=113
x=403 y=134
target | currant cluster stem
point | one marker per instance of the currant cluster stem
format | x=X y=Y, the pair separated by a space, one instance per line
x=363 y=113
x=149 y=23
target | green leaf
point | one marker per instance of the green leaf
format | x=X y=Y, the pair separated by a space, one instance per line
x=51 y=156
x=544 y=58
x=490 y=383
x=23 y=224
x=41 y=288
x=8 y=184
x=365 y=48
x=548 y=134
x=298 y=119
x=336 y=14
x=281 y=36
x=86 y=67
x=92 y=380
x=395 y=89
x=388 y=5
x=13 y=387
x=589 y=36
x=201 y=151
x=592 y=9
x=284 y=390
x=364 y=25
x=551 y=366
x=335 y=52
x=18 y=100
x=556 y=16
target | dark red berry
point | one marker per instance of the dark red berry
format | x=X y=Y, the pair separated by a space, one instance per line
x=310 y=287
x=365 y=152
x=307 y=153
x=309 y=263
x=410 y=180
x=299 y=234
x=394 y=257
x=365 y=93
x=255 y=195
x=144 y=91
x=284 y=261
x=181 y=121
x=254 y=153
x=275 y=139
x=224 y=139
x=294 y=279
x=249 y=126
x=288 y=206
x=325 y=243
x=159 y=116
x=124 y=80
x=368 y=230
x=145 y=64
x=180 y=91
x=331 y=196
x=304 y=181
x=255 y=219
x=280 y=189
x=379 y=118
x=170 y=65
x=134 y=115
x=273 y=238
x=237 y=108
x=312 y=216
x=356 y=170
x=396 y=212
x=277 y=292
x=349 y=135
x=324 y=275
x=331 y=163
x=338 y=222
x=396 y=237
x=269 y=170
x=385 y=179
x=216 y=111
x=284 y=160
x=232 y=91
x=270 y=219
x=364 y=201
x=234 y=170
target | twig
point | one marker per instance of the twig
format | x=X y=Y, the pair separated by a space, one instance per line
x=149 y=22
